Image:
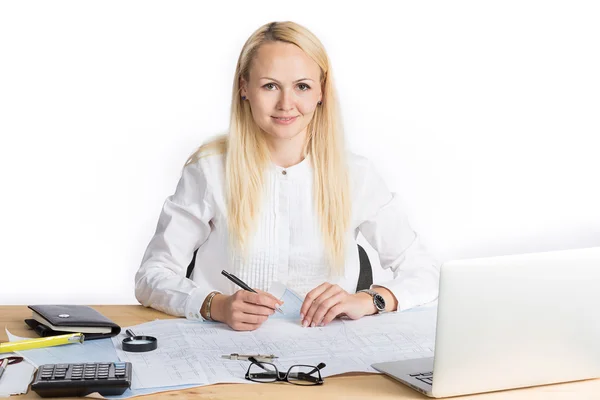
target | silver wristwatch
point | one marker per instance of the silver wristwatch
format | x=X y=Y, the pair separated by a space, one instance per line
x=378 y=300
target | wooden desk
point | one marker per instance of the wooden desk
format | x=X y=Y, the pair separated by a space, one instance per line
x=348 y=386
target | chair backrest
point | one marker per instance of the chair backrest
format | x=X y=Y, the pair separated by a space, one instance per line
x=365 y=276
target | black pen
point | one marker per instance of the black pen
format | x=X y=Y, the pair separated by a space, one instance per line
x=241 y=284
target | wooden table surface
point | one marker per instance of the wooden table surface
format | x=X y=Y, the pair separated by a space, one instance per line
x=347 y=386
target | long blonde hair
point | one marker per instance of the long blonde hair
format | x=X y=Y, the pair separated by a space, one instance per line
x=247 y=154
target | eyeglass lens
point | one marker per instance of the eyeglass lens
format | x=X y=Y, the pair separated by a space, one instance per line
x=263 y=372
x=303 y=375
x=297 y=374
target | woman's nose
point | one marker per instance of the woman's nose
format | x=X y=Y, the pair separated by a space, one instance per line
x=286 y=100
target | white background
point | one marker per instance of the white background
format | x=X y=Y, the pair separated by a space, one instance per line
x=483 y=116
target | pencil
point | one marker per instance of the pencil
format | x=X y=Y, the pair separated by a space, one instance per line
x=29 y=344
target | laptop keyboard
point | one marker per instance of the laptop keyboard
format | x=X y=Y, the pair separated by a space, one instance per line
x=425 y=377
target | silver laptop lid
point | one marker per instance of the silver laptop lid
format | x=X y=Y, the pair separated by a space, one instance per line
x=516 y=321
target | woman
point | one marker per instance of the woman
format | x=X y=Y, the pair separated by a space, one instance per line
x=280 y=199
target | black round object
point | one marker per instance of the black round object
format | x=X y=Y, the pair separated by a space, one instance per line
x=139 y=344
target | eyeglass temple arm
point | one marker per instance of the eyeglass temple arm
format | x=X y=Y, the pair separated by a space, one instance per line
x=280 y=375
x=260 y=375
x=317 y=368
x=255 y=361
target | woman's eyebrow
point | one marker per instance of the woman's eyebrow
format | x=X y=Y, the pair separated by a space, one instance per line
x=275 y=80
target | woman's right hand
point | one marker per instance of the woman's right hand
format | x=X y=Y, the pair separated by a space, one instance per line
x=244 y=310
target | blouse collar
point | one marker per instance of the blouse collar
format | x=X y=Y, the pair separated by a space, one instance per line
x=301 y=169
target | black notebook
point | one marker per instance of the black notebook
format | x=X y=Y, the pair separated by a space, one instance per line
x=52 y=320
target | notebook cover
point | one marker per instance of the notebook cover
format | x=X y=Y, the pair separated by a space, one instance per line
x=71 y=315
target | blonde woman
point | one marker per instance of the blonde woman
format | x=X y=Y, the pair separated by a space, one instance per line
x=279 y=199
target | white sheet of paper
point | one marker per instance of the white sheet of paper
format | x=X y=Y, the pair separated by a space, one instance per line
x=16 y=377
x=292 y=302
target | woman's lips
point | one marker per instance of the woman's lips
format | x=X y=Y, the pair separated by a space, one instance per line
x=284 y=121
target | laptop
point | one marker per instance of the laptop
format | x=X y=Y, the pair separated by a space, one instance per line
x=509 y=322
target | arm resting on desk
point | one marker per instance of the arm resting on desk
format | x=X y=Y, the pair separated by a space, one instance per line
x=183 y=226
x=386 y=227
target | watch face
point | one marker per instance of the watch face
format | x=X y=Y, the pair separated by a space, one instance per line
x=379 y=302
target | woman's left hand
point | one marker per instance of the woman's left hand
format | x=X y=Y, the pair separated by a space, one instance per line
x=327 y=301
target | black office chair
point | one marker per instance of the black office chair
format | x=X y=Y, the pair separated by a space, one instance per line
x=365 y=276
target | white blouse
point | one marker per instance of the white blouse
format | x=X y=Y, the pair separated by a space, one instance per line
x=287 y=245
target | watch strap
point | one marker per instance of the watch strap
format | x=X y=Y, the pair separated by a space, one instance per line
x=373 y=294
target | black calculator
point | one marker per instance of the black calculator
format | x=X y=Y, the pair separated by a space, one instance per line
x=65 y=380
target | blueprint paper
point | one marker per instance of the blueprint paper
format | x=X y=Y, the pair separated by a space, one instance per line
x=345 y=346
x=172 y=363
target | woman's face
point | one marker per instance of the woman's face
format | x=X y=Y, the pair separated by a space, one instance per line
x=283 y=83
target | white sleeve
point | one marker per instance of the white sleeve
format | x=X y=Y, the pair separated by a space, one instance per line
x=387 y=229
x=183 y=225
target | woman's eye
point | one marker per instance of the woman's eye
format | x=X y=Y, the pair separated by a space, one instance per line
x=302 y=86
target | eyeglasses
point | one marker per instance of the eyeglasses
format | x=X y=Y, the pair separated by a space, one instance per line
x=303 y=375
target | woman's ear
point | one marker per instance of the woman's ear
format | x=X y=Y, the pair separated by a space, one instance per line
x=243 y=87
